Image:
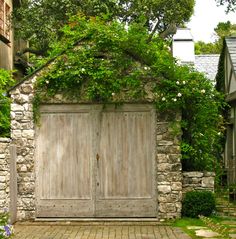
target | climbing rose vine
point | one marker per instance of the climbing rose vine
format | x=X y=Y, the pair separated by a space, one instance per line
x=100 y=61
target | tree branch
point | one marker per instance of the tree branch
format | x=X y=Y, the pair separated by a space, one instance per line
x=31 y=50
x=171 y=29
x=153 y=32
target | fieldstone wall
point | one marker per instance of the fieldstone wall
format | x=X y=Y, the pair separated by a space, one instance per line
x=4 y=173
x=169 y=171
x=22 y=134
x=169 y=168
x=193 y=181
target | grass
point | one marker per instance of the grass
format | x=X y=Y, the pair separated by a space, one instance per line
x=185 y=222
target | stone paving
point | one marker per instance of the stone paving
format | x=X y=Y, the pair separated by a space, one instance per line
x=232 y=227
x=210 y=232
x=96 y=231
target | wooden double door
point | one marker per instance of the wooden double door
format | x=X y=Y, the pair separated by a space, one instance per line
x=96 y=161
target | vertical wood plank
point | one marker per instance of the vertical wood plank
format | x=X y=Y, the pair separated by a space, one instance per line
x=73 y=183
x=13 y=184
x=127 y=162
x=64 y=151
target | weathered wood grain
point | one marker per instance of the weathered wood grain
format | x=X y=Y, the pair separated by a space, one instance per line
x=96 y=161
x=125 y=169
x=13 y=184
x=64 y=168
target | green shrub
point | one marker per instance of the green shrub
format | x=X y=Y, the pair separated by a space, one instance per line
x=6 y=81
x=197 y=203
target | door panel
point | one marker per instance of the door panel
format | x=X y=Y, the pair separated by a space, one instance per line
x=64 y=165
x=125 y=183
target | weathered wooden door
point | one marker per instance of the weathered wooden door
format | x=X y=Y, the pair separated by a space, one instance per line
x=64 y=162
x=93 y=161
x=125 y=162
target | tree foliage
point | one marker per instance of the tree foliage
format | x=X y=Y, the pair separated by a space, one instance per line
x=40 y=21
x=5 y=82
x=105 y=62
x=231 y=4
x=207 y=48
x=222 y=30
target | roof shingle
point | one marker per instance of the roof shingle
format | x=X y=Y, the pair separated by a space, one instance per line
x=231 y=45
x=207 y=64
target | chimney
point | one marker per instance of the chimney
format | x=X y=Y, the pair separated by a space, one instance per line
x=183 y=46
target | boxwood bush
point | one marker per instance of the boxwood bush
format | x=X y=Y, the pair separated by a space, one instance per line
x=197 y=203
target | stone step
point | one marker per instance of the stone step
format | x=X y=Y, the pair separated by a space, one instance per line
x=226 y=205
x=226 y=214
x=226 y=208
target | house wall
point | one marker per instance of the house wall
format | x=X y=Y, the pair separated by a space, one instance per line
x=229 y=75
x=230 y=147
x=6 y=50
x=183 y=51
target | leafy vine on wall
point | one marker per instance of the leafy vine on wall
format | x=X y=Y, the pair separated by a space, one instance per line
x=107 y=62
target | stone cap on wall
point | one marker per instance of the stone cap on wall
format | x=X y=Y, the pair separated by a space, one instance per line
x=5 y=140
x=199 y=174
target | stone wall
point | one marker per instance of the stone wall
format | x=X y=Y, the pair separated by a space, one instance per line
x=198 y=181
x=22 y=134
x=169 y=171
x=170 y=181
x=4 y=173
x=169 y=168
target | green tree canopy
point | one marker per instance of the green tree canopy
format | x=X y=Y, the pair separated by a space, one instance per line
x=231 y=4
x=40 y=21
x=223 y=29
x=206 y=48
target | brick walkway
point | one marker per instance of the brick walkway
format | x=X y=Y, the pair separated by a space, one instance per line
x=109 y=231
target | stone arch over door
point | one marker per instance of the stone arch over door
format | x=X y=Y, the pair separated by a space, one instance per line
x=96 y=161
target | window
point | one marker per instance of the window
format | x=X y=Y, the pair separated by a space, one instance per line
x=1 y=17
x=4 y=21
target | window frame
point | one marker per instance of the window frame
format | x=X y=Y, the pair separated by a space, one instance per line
x=5 y=28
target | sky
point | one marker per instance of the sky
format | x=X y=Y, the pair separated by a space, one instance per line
x=206 y=17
